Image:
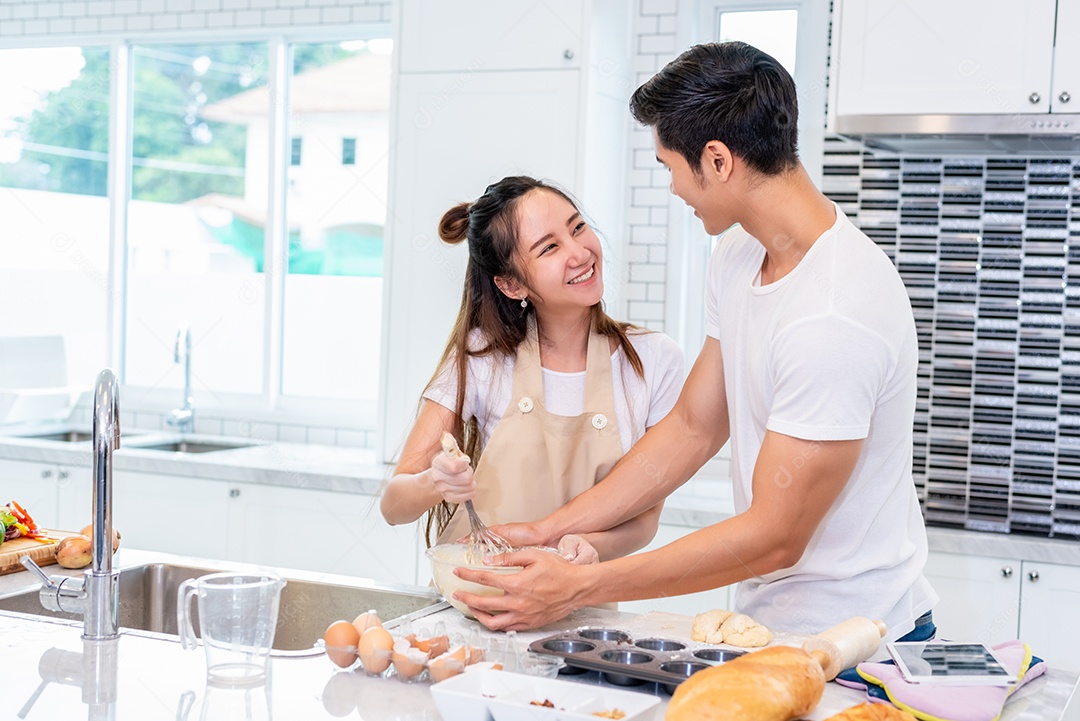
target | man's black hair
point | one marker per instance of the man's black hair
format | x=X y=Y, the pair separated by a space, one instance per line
x=731 y=92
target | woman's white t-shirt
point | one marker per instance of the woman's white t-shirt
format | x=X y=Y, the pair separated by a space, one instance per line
x=640 y=403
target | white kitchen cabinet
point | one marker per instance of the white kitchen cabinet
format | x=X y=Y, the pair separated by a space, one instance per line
x=979 y=597
x=1065 y=96
x=174 y=514
x=965 y=57
x=51 y=492
x=499 y=35
x=323 y=531
x=461 y=125
x=996 y=599
x=689 y=604
x=1049 y=597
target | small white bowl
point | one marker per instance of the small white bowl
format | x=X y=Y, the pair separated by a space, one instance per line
x=506 y=696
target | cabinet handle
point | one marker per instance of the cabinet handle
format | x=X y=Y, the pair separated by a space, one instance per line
x=1064 y=97
x=1034 y=98
x=62 y=475
x=568 y=54
x=1034 y=576
x=1006 y=571
x=46 y=474
x=234 y=493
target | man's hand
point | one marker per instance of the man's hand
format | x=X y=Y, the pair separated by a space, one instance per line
x=453 y=477
x=576 y=549
x=547 y=589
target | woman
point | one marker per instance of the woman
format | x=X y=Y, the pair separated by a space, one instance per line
x=553 y=391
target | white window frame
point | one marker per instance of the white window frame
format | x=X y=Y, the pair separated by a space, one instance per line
x=270 y=403
x=689 y=246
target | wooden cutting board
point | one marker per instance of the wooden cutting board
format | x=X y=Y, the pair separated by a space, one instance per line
x=44 y=554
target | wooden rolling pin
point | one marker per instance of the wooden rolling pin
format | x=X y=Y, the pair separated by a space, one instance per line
x=845 y=644
x=778 y=683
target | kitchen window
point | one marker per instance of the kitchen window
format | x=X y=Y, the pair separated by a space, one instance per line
x=796 y=34
x=198 y=206
x=54 y=166
x=335 y=214
x=276 y=268
x=348 y=151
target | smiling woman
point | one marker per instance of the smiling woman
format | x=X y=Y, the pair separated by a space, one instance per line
x=546 y=389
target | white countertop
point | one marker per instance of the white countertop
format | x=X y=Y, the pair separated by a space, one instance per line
x=152 y=678
x=700 y=502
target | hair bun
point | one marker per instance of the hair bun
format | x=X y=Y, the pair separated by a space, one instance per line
x=454 y=226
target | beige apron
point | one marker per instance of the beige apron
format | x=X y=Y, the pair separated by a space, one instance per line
x=536 y=461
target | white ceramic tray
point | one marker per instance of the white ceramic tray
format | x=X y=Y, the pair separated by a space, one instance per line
x=490 y=695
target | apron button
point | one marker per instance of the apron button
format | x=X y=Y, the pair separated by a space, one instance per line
x=525 y=404
x=599 y=421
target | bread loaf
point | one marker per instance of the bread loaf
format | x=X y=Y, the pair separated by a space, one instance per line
x=775 y=684
x=872 y=712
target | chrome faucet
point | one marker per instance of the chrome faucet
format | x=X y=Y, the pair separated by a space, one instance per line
x=183 y=418
x=96 y=595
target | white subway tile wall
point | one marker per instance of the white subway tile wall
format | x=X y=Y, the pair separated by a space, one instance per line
x=647 y=216
x=30 y=18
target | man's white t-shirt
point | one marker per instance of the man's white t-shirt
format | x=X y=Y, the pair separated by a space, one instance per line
x=640 y=403
x=828 y=352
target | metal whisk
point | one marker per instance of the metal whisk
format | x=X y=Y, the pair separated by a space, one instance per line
x=482 y=542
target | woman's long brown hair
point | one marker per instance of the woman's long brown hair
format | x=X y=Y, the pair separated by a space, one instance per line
x=490 y=227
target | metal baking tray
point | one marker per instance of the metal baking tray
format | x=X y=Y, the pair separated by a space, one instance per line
x=625 y=661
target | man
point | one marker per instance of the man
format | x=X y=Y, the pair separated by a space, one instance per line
x=809 y=368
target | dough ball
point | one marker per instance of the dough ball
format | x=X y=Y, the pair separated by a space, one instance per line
x=740 y=630
x=706 y=628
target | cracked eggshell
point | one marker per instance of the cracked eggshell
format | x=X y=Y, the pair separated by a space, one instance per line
x=408 y=660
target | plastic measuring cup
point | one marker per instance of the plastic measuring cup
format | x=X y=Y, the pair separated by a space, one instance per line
x=237 y=619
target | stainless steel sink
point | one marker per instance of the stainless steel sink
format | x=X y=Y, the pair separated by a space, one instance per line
x=148 y=603
x=69 y=436
x=191 y=446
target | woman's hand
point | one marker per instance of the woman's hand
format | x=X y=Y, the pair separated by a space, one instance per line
x=577 y=550
x=453 y=477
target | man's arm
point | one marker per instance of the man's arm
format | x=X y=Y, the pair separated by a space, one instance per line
x=795 y=484
x=627 y=537
x=666 y=456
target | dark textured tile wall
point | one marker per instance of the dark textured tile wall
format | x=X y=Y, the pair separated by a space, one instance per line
x=989 y=249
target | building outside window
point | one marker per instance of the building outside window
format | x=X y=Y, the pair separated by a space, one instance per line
x=197 y=220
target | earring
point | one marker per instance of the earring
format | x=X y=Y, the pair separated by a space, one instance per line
x=524 y=303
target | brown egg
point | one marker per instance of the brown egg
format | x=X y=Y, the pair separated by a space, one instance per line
x=376 y=649
x=474 y=655
x=341 y=639
x=408 y=660
x=365 y=621
x=449 y=664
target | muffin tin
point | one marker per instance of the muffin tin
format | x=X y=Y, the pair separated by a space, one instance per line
x=626 y=661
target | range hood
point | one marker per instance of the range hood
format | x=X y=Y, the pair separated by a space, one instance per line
x=1042 y=134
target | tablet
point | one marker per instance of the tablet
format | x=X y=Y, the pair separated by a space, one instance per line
x=950 y=663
